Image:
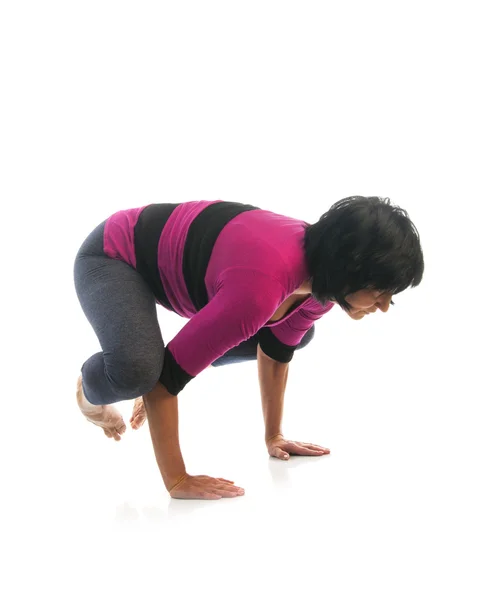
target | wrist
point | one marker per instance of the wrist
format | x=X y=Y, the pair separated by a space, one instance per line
x=172 y=465
x=171 y=482
x=273 y=436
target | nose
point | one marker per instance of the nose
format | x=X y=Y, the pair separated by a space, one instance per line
x=383 y=303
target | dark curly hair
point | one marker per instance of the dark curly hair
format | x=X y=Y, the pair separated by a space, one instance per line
x=362 y=243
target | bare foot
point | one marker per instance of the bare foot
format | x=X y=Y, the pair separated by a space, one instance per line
x=138 y=414
x=107 y=416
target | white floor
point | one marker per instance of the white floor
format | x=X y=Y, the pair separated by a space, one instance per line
x=397 y=510
x=290 y=107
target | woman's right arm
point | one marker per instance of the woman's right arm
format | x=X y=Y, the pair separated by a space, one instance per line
x=162 y=415
x=245 y=300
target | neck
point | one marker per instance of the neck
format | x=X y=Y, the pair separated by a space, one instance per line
x=305 y=288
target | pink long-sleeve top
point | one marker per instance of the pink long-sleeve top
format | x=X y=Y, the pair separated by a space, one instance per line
x=225 y=266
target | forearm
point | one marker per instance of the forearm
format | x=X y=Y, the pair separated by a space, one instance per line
x=162 y=416
x=273 y=376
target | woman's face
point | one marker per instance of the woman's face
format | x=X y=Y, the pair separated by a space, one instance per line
x=366 y=302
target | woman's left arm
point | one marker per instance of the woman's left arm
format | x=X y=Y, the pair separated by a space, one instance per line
x=273 y=376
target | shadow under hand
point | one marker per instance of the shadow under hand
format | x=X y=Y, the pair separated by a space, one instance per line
x=126 y=514
x=280 y=469
x=177 y=507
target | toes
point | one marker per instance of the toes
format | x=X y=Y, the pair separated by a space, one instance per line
x=109 y=419
x=120 y=428
x=137 y=421
x=115 y=433
x=138 y=414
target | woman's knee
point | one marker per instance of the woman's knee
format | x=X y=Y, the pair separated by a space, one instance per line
x=135 y=377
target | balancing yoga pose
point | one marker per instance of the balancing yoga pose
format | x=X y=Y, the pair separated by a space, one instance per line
x=252 y=284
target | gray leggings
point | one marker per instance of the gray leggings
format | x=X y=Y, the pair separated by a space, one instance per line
x=122 y=311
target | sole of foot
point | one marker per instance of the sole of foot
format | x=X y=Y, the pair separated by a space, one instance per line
x=105 y=416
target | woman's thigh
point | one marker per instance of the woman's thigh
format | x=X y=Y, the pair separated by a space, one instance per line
x=122 y=311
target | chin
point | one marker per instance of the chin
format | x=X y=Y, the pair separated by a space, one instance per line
x=357 y=316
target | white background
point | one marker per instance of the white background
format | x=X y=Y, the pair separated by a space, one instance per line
x=288 y=106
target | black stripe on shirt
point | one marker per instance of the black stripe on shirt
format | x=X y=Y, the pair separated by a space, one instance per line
x=147 y=233
x=202 y=235
x=273 y=347
x=276 y=349
x=173 y=377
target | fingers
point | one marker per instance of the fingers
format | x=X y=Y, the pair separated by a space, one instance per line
x=314 y=446
x=305 y=449
x=215 y=479
x=225 y=490
x=283 y=449
x=205 y=488
x=230 y=492
x=277 y=452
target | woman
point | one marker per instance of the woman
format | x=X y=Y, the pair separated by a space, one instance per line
x=252 y=284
